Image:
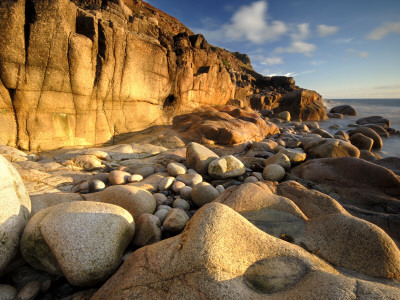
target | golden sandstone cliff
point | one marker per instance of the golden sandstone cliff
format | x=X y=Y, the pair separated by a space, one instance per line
x=82 y=72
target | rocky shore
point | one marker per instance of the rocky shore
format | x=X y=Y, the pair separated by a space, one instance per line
x=191 y=212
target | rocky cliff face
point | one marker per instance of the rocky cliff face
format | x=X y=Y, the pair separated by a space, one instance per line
x=82 y=72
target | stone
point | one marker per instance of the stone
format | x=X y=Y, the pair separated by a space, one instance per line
x=176 y=220
x=207 y=253
x=186 y=193
x=199 y=157
x=335 y=116
x=181 y=203
x=267 y=145
x=176 y=186
x=167 y=207
x=160 y=199
x=378 y=120
x=333 y=148
x=296 y=156
x=323 y=133
x=203 y=193
x=161 y=214
x=284 y=115
x=344 y=110
x=88 y=162
x=29 y=291
x=64 y=240
x=368 y=132
x=42 y=201
x=378 y=129
x=361 y=141
x=190 y=179
x=145 y=171
x=150 y=183
x=392 y=163
x=7 y=292
x=135 y=200
x=368 y=155
x=342 y=134
x=223 y=125
x=166 y=183
x=273 y=172
x=251 y=179
x=147 y=230
x=135 y=178
x=279 y=159
x=96 y=186
x=226 y=167
x=175 y=169
x=118 y=177
x=15 y=211
x=220 y=189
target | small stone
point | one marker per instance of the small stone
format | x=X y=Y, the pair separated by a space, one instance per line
x=167 y=207
x=32 y=157
x=251 y=179
x=96 y=186
x=190 y=179
x=175 y=169
x=181 y=203
x=45 y=286
x=323 y=133
x=160 y=199
x=186 y=193
x=162 y=214
x=199 y=157
x=279 y=159
x=87 y=162
x=176 y=220
x=284 y=115
x=203 y=193
x=7 y=292
x=226 y=167
x=274 y=172
x=220 y=188
x=295 y=155
x=258 y=175
x=176 y=186
x=147 y=230
x=135 y=178
x=145 y=171
x=29 y=291
x=166 y=183
x=192 y=172
x=118 y=177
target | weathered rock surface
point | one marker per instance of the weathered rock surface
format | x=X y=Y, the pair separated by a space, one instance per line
x=14 y=213
x=368 y=132
x=64 y=240
x=203 y=263
x=226 y=167
x=344 y=110
x=332 y=148
x=199 y=157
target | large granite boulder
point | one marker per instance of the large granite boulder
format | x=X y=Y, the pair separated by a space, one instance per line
x=220 y=255
x=332 y=148
x=368 y=132
x=83 y=241
x=344 y=110
x=223 y=125
x=14 y=213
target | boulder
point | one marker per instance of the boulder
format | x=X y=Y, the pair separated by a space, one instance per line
x=117 y=177
x=223 y=125
x=273 y=172
x=220 y=255
x=368 y=132
x=15 y=211
x=176 y=220
x=199 y=157
x=333 y=148
x=135 y=200
x=377 y=120
x=64 y=240
x=147 y=230
x=296 y=155
x=226 y=167
x=344 y=110
x=284 y=115
x=175 y=169
x=203 y=193
x=321 y=132
x=361 y=141
x=279 y=159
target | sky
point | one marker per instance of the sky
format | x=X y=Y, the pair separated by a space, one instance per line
x=343 y=49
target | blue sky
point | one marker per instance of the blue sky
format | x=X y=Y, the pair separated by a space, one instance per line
x=342 y=49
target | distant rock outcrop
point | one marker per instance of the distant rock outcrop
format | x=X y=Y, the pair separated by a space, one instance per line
x=81 y=72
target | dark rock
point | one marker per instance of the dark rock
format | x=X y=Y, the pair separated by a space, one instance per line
x=368 y=132
x=344 y=110
x=378 y=120
x=361 y=141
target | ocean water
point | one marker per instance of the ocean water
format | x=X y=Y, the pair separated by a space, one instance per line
x=388 y=108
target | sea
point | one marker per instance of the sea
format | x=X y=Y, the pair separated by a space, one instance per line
x=387 y=108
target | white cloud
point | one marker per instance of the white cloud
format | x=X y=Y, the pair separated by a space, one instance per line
x=303 y=32
x=383 y=30
x=318 y=62
x=362 y=54
x=249 y=23
x=298 y=47
x=272 y=61
x=343 y=40
x=290 y=74
x=325 y=30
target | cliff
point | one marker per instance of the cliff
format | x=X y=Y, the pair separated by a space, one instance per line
x=81 y=72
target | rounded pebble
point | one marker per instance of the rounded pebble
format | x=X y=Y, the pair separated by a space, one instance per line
x=175 y=169
x=181 y=203
x=176 y=186
x=96 y=186
x=186 y=193
x=273 y=172
x=166 y=183
x=203 y=193
x=29 y=291
x=160 y=199
x=162 y=214
x=176 y=220
x=220 y=188
x=135 y=178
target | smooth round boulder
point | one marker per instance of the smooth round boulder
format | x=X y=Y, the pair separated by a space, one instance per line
x=361 y=141
x=14 y=213
x=160 y=199
x=203 y=193
x=118 y=177
x=135 y=178
x=199 y=157
x=83 y=241
x=378 y=120
x=190 y=179
x=323 y=133
x=176 y=220
x=175 y=169
x=284 y=115
x=181 y=203
x=278 y=159
x=148 y=230
x=295 y=155
x=96 y=186
x=7 y=292
x=135 y=200
x=368 y=132
x=88 y=162
x=344 y=110
x=226 y=167
x=166 y=183
x=186 y=193
x=273 y=172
